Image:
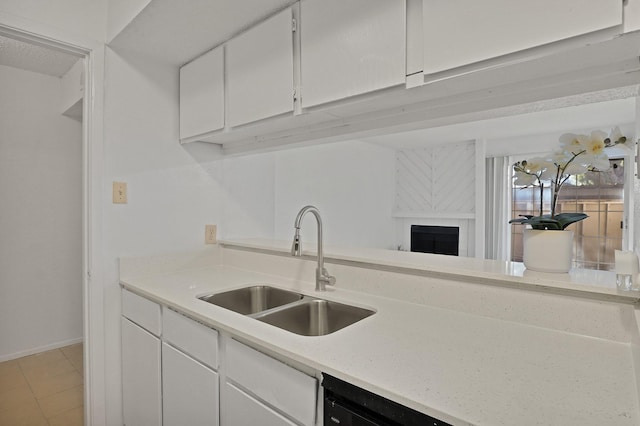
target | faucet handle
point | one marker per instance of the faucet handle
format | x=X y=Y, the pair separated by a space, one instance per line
x=326 y=278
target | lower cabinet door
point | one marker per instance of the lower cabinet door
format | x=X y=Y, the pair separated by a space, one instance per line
x=190 y=390
x=141 y=388
x=240 y=409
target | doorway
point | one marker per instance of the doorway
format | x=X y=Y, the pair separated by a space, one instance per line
x=43 y=181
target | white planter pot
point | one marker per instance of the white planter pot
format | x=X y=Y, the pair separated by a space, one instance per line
x=547 y=251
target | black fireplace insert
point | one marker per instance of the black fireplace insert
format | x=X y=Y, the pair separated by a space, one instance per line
x=435 y=239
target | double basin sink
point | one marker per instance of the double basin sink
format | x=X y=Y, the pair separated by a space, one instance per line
x=288 y=310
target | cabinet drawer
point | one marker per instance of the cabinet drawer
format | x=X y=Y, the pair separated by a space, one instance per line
x=274 y=382
x=241 y=409
x=195 y=339
x=141 y=311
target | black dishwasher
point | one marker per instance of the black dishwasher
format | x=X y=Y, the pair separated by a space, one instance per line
x=349 y=405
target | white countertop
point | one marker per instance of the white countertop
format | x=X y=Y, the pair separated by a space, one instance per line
x=461 y=368
x=579 y=282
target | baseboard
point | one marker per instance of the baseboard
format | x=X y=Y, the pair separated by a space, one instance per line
x=39 y=349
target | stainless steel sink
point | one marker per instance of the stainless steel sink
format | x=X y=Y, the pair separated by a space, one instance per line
x=254 y=299
x=315 y=317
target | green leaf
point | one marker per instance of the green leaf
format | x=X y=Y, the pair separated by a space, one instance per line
x=566 y=219
x=557 y=223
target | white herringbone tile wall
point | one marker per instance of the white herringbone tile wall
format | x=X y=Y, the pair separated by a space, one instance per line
x=439 y=179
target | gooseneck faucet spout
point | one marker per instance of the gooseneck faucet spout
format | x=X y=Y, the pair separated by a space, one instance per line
x=322 y=276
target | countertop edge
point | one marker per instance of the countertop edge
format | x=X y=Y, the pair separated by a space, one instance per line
x=543 y=282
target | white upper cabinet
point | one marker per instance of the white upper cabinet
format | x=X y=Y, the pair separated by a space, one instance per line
x=260 y=71
x=202 y=94
x=463 y=32
x=350 y=47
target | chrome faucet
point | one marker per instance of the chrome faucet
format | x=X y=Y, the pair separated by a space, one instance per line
x=322 y=276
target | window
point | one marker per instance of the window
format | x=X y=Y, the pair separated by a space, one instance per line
x=598 y=194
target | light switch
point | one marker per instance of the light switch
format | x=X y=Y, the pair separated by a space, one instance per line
x=119 y=193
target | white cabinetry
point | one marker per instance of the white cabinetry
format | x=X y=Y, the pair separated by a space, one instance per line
x=350 y=47
x=260 y=71
x=141 y=387
x=189 y=382
x=194 y=339
x=169 y=383
x=173 y=381
x=202 y=94
x=141 y=382
x=276 y=384
x=458 y=33
x=189 y=390
x=242 y=409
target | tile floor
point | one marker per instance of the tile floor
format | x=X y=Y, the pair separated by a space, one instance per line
x=43 y=389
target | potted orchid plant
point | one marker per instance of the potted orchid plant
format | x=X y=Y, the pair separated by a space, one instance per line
x=578 y=154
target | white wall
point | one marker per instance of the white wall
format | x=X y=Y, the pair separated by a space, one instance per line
x=40 y=216
x=173 y=190
x=250 y=197
x=120 y=13
x=351 y=183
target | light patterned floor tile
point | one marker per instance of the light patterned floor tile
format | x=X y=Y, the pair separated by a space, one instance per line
x=12 y=380
x=73 y=417
x=42 y=358
x=72 y=351
x=41 y=372
x=8 y=367
x=50 y=385
x=24 y=414
x=61 y=401
x=16 y=396
x=78 y=364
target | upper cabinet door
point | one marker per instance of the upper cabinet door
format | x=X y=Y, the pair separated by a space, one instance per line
x=462 y=32
x=202 y=94
x=350 y=47
x=260 y=71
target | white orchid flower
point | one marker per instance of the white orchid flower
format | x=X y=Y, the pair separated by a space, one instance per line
x=572 y=142
x=579 y=154
x=600 y=162
x=550 y=171
x=595 y=144
x=536 y=165
x=574 y=168
x=616 y=134
x=524 y=179
x=560 y=158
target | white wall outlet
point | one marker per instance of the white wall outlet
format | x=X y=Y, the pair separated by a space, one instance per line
x=119 y=193
x=210 y=234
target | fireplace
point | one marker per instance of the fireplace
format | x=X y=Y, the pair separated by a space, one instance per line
x=435 y=239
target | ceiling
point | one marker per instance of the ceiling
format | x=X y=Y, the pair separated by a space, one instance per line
x=169 y=32
x=31 y=57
